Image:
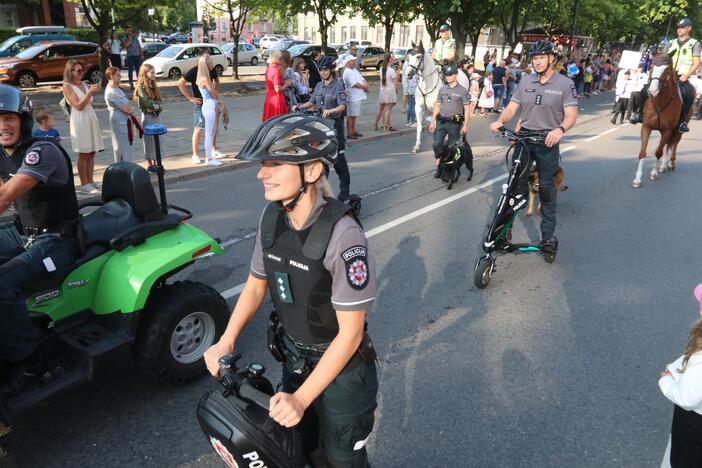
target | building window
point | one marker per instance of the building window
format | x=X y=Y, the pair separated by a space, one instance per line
x=250 y=27
x=364 y=33
x=419 y=33
x=344 y=34
x=307 y=33
x=8 y=17
x=313 y=32
x=352 y=32
x=379 y=35
x=404 y=36
x=332 y=34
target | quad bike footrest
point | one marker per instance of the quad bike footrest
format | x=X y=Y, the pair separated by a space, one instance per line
x=94 y=339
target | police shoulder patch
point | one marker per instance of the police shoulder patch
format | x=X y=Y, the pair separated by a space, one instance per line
x=342 y=95
x=33 y=157
x=356 y=262
x=573 y=91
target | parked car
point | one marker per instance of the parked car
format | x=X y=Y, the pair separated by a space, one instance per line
x=31 y=35
x=400 y=53
x=371 y=57
x=175 y=60
x=269 y=41
x=307 y=49
x=176 y=38
x=340 y=48
x=47 y=61
x=247 y=53
x=281 y=45
x=357 y=42
x=257 y=41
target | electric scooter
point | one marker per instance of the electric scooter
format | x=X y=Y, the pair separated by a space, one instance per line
x=498 y=240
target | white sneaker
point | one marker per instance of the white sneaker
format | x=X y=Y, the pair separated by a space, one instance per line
x=214 y=162
x=413 y=125
x=196 y=159
x=88 y=189
x=217 y=155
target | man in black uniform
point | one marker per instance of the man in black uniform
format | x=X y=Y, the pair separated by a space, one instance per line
x=450 y=116
x=37 y=177
x=549 y=103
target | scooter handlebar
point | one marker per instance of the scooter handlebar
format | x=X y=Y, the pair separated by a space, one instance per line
x=234 y=383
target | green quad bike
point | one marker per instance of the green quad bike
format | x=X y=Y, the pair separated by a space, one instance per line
x=117 y=293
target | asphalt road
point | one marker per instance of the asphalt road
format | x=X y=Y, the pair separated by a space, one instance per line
x=550 y=366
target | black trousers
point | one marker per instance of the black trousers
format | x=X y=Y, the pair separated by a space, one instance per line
x=620 y=109
x=546 y=164
x=19 y=267
x=116 y=60
x=341 y=166
x=686 y=439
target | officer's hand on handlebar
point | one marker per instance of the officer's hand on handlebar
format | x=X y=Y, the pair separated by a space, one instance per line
x=328 y=113
x=553 y=137
x=432 y=127
x=212 y=356
x=286 y=409
x=295 y=108
x=496 y=126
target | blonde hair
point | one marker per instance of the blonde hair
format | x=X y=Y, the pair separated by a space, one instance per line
x=693 y=346
x=274 y=58
x=148 y=84
x=203 y=72
x=68 y=71
x=323 y=185
x=297 y=62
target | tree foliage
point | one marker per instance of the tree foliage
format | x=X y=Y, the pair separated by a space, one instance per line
x=327 y=12
x=386 y=13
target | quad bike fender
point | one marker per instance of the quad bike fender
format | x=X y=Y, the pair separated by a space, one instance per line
x=129 y=275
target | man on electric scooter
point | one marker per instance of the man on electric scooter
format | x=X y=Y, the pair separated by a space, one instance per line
x=312 y=256
x=37 y=177
x=549 y=102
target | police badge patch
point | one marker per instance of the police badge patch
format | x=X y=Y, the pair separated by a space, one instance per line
x=356 y=266
x=32 y=158
x=573 y=91
x=342 y=96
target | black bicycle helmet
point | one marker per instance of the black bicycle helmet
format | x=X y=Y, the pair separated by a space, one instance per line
x=292 y=138
x=541 y=48
x=685 y=23
x=444 y=27
x=14 y=101
x=327 y=62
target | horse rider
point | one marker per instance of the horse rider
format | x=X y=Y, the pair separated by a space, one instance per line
x=548 y=103
x=684 y=51
x=444 y=52
x=450 y=116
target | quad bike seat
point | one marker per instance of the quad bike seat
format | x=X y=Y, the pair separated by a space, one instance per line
x=128 y=201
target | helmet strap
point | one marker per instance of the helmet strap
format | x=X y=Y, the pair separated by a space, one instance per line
x=291 y=206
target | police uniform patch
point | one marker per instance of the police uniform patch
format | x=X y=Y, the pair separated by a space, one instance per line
x=356 y=266
x=573 y=91
x=32 y=158
x=342 y=96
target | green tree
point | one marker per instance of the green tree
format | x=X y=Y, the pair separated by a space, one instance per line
x=435 y=13
x=386 y=13
x=468 y=17
x=511 y=17
x=326 y=11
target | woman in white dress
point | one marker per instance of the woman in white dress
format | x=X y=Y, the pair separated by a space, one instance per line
x=487 y=96
x=387 y=96
x=86 y=135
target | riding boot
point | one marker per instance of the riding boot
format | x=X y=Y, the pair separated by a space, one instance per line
x=614 y=119
x=683 y=128
x=549 y=245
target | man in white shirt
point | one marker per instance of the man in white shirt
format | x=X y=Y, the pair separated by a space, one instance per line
x=356 y=93
x=624 y=88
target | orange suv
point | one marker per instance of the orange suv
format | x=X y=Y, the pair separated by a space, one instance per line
x=46 y=61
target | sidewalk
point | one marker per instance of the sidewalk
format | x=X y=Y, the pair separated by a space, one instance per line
x=245 y=115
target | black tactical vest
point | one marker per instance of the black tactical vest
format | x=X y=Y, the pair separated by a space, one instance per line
x=300 y=286
x=45 y=206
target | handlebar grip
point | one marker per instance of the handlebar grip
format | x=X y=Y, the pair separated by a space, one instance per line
x=249 y=392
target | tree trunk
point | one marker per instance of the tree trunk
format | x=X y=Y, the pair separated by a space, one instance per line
x=323 y=36
x=474 y=38
x=389 y=26
x=235 y=58
x=103 y=55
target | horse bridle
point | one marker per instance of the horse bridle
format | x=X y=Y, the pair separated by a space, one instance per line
x=416 y=71
x=663 y=85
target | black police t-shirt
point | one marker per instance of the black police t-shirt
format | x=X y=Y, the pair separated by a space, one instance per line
x=191 y=77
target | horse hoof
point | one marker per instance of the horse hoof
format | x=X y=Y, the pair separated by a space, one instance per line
x=653 y=177
x=636 y=184
x=414 y=150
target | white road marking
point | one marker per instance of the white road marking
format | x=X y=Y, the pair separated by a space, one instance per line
x=607 y=132
x=236 y=290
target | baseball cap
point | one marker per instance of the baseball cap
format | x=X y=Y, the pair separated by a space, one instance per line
x=698 y=294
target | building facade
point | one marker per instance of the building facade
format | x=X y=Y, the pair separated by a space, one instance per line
x=46 y=13
x=255 y=26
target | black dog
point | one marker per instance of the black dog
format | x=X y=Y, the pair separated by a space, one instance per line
x=449 y=168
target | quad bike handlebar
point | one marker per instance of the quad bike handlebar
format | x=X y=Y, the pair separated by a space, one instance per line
x=235 y=382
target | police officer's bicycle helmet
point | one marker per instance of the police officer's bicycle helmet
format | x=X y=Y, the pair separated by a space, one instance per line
x=685 y=23
x=292 y=139
x=14 y=101
x=327 y=62
x=541 y=48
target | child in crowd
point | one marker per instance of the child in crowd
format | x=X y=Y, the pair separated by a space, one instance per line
x=681 y=383
x=45 y=125
x=589 y=76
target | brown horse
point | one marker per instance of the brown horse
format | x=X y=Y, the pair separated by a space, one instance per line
x=662 y=113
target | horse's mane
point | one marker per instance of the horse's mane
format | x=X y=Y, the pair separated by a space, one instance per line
x=661 y=59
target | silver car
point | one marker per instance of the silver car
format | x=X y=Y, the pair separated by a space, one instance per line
x=247 y=53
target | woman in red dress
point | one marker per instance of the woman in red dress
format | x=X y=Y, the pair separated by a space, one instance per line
x=275 y=103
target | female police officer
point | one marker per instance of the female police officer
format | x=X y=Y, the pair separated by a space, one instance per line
x=329 y=96
x=313 y=258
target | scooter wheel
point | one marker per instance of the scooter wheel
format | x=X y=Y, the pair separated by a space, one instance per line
x=483 y=273
x=549 y=257
x=355 y=204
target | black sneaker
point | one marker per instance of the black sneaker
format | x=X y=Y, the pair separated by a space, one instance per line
x=152 y=169
x=437 y=174
x=22 y=377
x=636 y=118
x=614 y=120
x=549 y=245
x=683 y=128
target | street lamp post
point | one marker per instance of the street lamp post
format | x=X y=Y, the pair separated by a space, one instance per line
x=573 y=28
x=152 y=12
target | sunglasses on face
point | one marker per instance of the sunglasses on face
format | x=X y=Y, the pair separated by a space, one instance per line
x=77 y=70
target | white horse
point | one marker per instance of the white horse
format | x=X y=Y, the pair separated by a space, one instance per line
x=428 y=84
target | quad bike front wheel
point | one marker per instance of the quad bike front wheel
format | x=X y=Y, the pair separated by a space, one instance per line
x=483 y=272
x=181 y=321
